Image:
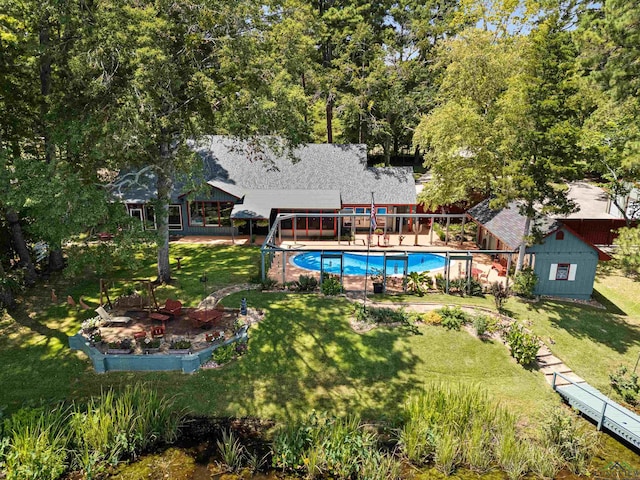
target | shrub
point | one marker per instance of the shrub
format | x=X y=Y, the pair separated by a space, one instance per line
x=439 y=231
x=524 y=346
x=441 y=283
x=180 y=345
x=268 y=283
x=147 y=343
x=417 y=282
x=307 y=283
x=500 y=294
x=453 y=317
x=480 y=324
x=625 y=384
x=37 y=444
x=331 y=285
x=336 y=447
x=231 y=451
x=124 y=344
x=458 y=285
x=525 y=282
x=224 y=354
x=432 y=318
x=573 y=444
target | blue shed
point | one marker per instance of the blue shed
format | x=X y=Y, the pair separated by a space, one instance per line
x=564 y=262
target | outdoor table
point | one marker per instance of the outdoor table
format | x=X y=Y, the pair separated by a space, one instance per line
x=160 y=317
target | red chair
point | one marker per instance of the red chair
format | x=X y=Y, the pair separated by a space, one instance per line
x=157 y=331
x=172 y=307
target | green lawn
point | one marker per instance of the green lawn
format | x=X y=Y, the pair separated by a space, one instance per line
x=305 y=355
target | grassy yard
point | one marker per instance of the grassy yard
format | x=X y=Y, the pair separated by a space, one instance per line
x=591 y=341
x=305 y=355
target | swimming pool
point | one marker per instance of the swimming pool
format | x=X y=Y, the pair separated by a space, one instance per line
x=355 y=263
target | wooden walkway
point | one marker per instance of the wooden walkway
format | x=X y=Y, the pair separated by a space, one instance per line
x=593 y=404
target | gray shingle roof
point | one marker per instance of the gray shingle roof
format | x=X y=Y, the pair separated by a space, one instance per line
x=232 y=166
x=315 y=167
x=508 y=224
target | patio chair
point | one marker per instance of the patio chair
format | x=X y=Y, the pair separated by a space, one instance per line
x=107 y=319
x=172 y=307
x=157 y=331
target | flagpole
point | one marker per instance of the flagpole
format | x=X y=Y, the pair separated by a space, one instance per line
x=366 y=268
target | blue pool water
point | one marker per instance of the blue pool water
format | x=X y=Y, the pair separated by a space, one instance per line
x=355 y=263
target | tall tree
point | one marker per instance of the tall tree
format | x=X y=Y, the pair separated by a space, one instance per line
x=167 y=71
x=539 y=131
x=608 y=38
x=459 y=135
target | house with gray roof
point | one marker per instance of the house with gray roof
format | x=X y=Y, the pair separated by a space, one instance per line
x=239 y=182
x=564 y=262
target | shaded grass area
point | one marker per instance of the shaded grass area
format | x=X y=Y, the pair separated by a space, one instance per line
x=304 y=355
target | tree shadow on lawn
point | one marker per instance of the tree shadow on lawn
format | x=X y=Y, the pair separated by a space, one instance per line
x=37 y=365
x=305 y=356
x=588 y=322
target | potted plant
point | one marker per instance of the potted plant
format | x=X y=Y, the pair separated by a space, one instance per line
x=214 y=337
x=150 y=345
x=180 y=347
x=91 y=324
x=121 y=347
x=377 y=279
x=95 y=338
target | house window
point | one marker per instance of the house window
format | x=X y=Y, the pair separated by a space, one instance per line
x=301 y=223
x=560 y=235
x=328 y=223
x=314 y=223
x=175 y=217
x=210 y=214
x=381 y=221
x=195 y=214
x=149 y=218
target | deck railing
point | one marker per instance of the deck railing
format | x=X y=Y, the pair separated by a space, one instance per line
x=606 y=404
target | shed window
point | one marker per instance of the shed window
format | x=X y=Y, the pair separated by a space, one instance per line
x=563 y=271
x=560 y=235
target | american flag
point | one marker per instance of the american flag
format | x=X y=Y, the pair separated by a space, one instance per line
x=374 y=222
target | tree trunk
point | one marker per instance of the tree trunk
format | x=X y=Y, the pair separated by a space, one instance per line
x=165 y=187
x=330 y=118
x=523 y=245
x=20 y=245
x=56 y=260
x=7 y=299
x=45 y=88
